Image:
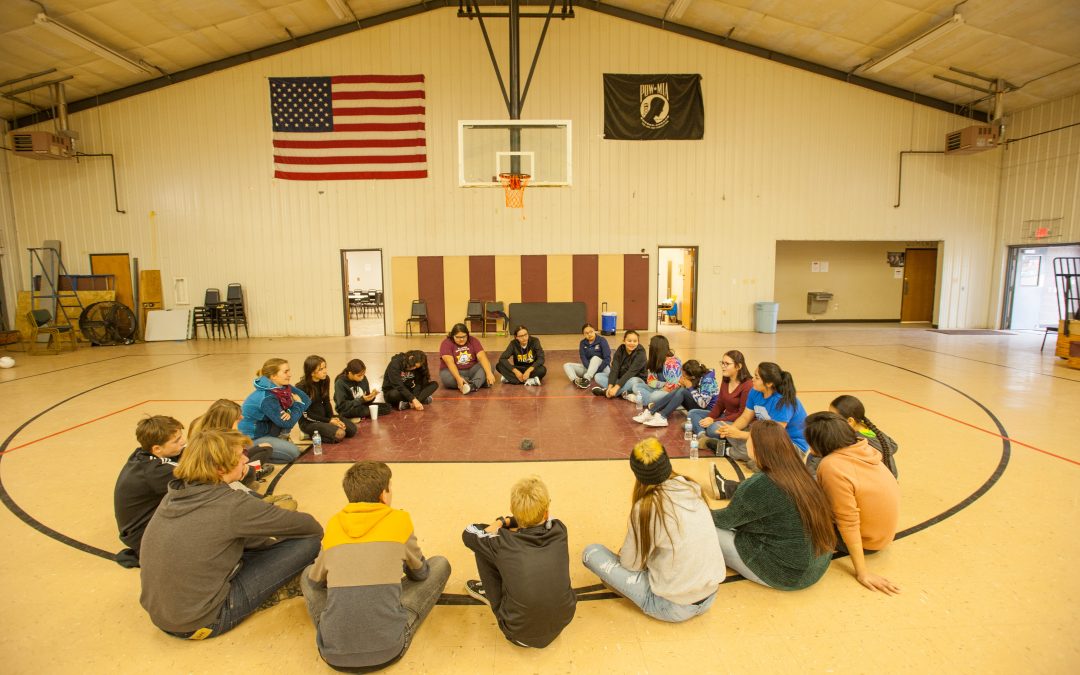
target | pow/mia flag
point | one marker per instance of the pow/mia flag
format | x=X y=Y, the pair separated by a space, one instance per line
x=653 y=107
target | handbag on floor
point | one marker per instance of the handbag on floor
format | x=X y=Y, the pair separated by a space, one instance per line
x=724 y=488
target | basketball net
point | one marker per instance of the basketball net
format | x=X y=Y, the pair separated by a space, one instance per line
x=514 y=184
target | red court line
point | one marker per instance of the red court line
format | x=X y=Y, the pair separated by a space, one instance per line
x=81 y=424
x=977 y=428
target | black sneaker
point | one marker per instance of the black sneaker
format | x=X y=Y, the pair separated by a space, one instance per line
x=427 y=401
x=264 y=471
x=476 y=589
x=291 y=589
x=403 y=405
x=582 y=382
x=597 y=391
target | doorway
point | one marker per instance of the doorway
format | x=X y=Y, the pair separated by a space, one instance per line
x=676 y=287
x=920 y=281
x=363 y=298
x=1031 y=294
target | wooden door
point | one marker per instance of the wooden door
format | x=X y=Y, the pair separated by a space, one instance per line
x=688 y=287
x=118 y=265
x=920 y=275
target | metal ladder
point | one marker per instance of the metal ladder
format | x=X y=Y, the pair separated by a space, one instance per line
x=45 y=263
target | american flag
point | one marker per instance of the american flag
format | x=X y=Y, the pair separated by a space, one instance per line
x=349 y=127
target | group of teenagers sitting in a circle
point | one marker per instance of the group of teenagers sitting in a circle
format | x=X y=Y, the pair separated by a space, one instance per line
x=213 y=551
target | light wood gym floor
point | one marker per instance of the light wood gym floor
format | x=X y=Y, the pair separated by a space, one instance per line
x=990 y=471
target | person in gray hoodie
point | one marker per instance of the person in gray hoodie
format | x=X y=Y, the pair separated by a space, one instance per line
x=670 y=562
x=212 y=555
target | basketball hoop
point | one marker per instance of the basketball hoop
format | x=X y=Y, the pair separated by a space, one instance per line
x=514 y=184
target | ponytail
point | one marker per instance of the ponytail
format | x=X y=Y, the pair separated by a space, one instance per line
x=780 y=380
x=355 y=366
x=888 y=445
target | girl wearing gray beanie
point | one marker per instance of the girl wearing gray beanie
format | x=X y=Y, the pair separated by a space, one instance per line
x=670 y=562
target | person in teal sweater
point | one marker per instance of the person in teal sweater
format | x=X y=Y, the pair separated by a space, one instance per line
x=777 y=531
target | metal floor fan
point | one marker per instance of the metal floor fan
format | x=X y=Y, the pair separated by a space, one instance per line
x=108 y=323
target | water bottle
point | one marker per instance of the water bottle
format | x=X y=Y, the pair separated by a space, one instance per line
x=639 y=402
x=688 y=431
x=693 y=448
x=316 y=443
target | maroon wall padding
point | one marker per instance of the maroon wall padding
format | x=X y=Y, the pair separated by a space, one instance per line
x=534 y=278
x=636 y=291
x=429 y=281
x=481 y=282
x=587 y=286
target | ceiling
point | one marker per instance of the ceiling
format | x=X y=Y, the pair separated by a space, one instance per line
x=1033 y=45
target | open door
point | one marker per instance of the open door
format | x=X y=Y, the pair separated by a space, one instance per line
x=676 y=286
x=689 y=288
x=362 y=291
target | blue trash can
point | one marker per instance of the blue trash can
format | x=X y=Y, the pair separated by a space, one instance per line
x=608 y=321
x=765 y=314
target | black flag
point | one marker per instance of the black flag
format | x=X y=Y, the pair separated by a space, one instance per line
x=653 y=107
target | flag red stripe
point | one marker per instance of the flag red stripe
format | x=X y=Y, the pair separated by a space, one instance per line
x=399 y=126
x=359 y=159
x=407 y=93
x=370 y=143
x=375 y=79
x=351 y=175
x=399 y=110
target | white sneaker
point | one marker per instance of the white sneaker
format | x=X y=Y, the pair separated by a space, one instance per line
x=656 y=421
x=532 y=382
x=465 y=388
x=502 y=380
x=643 y=416
x=629 y=397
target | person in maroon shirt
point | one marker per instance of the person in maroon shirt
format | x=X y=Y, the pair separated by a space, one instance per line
x=730 y=404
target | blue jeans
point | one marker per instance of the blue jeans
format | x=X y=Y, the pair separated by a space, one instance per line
x=282 y=449
x=634 y=586
x=603 y=379
x=647 y=394
x=262 y=572
x=668 y=404
x=731 y=555
x=695 y=416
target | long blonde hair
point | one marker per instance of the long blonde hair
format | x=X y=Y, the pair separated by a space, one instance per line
x=652 y=501
x=220 y=416
x=208 y=455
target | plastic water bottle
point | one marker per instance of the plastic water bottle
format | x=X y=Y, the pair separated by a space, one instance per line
x=316 y=443
x=639 y=402
x=688 y=431
x=693 y=448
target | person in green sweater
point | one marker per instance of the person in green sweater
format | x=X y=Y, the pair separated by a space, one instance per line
x=778 y=530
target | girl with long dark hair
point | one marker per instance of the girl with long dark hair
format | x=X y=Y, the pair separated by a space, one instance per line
x=735 y=385
x=670 y=563
x=627 y=369
x=595 y=355
x=465 y=365
x=697 y=391
x=663 y=372
x=772 y=398
x=320 y=414
x=353 y=395
x=777 y=531
x=522 y=362
x=407 y=382
x=852 y=410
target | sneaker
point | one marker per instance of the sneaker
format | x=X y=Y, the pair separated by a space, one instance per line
x=427 y=401
x=629 y=397
x=582 y=382
x=291 y=589
x=264 y=471
x=532 y=382
x=722 y=487
x=597 y=391
x=643 y=416
x=657 y=420
x=465 y=388
x=502 y=380
x=476 y=589
x=403 y=405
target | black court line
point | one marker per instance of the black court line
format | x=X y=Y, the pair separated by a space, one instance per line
x=20 y=513
x=990 y=363
x=81 y=365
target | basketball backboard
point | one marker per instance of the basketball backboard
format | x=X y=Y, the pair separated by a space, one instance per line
x=539 y=148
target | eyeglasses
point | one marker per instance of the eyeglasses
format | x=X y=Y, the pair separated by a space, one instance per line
x=727 y=364
x=756 y=376
x=460 y=337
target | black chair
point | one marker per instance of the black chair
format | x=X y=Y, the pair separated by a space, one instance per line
x=41 y=323
x=211 y=315
x=420 y=316
x=494 y=311
x=380 y=305
x=235 y=316
x=474 y=311
x=1049 y=329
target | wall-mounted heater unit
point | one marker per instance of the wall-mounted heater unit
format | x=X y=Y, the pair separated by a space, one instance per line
x=971 y=139
x=40 y=145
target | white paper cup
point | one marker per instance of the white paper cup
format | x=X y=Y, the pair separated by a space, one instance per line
x=373 y=410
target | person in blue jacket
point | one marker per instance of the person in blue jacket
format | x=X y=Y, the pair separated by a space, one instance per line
x=595 y=354
x=271 y=411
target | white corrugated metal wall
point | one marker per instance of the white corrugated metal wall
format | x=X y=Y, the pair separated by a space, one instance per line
x=787 y=155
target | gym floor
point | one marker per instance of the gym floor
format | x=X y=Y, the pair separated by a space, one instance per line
x=989 y=471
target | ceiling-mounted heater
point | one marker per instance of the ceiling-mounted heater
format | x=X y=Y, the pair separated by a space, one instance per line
x=40 y=145
x=971 y=139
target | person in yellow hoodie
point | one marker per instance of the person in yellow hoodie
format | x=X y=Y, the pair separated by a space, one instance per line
x=863 y=493
x=365 y=614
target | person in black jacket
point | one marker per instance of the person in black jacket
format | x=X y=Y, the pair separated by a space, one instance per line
x=522 y=362
x=627 y=369
x=144 y=480
x=524 y=567
x=407 y=381
x=353 y=395
x=320 y=416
